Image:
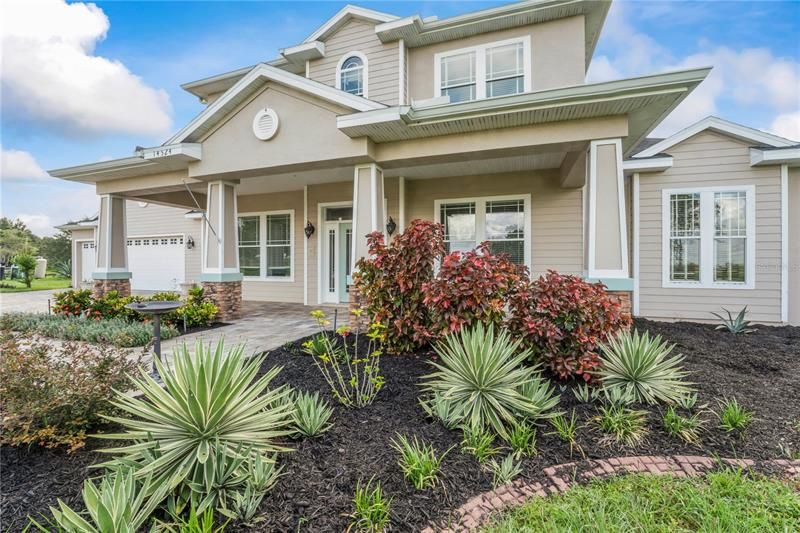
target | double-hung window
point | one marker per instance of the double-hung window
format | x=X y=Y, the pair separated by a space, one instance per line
x=266 y=245
x=485 y=71
x=503 y=222
x=709 y=237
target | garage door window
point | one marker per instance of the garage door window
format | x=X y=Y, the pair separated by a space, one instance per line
x=265 y=245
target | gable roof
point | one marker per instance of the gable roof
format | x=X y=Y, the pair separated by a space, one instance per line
x=254 y=80
x=344 y=15
x=719 y=125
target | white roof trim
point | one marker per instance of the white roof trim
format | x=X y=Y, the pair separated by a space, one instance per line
x=722 y=126
x=304 y=51
x=348 y=11
x=325 y=92
x=193 y=151
x=759 y=157
x=652 y=164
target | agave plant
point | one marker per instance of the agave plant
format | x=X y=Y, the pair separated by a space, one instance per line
x=738 y=325
x=63 y=268
x=642 y=367
x=209 y=409
x=482 y=377
x=119 y=504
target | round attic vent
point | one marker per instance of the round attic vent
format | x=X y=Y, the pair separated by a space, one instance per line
x=265 y=124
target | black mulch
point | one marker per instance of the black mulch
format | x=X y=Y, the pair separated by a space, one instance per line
x=760 y=370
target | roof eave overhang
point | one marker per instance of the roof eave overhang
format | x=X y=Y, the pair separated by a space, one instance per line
x=646 y=100
x=780 y=156
x=222 y=82
x=304 y=52
x=651 y=164
x=418 y=32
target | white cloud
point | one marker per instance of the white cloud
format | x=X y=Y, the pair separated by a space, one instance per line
x=19 y=165
x=39 y=224
x=50 y=74
x=787 y=125
x=751 y=79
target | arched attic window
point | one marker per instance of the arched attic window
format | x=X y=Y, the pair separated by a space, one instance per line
x=351 y=74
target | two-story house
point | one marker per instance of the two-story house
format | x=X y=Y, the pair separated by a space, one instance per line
x=483 y=122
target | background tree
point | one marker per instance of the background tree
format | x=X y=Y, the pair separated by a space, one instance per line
x=27 y=265
x=15 y=239
x=56 y=249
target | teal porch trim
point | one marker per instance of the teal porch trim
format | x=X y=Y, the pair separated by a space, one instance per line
x=220 y=277
x=111 y=275
x=614 y=284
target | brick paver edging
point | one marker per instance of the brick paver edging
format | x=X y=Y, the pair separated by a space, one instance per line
x=559 y=478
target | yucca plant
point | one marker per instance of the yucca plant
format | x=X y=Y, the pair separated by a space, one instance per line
x=738 y=325
x=119 y=504
x=541 y=394
x=505 y=471
x=440 y=409
x=371 y=513
x=642 y=366
x=209 y=406
x=419 y=461
x=311 y=414
x=483 y=377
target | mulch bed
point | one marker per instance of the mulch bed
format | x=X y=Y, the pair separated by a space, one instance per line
x=315 y=493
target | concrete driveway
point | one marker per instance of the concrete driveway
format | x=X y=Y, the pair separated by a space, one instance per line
x=27 y=302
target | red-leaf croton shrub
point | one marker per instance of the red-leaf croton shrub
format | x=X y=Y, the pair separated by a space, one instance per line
x=72 y=302
x=390 y=283
x=471 y=287
x=563 y=319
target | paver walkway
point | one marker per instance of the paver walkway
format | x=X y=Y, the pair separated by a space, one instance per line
x=264 y=326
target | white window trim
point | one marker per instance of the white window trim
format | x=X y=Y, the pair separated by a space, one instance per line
x=480 y=218
x=707 y=239
x=364 y=72
x=480 y=65
x=262 y=224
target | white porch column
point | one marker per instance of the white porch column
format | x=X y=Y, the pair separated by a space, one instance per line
x=606 y=250
x=111 y=250
x=368 y=213
x=220 y=274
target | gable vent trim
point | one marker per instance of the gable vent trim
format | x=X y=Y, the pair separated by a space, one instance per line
x=265 y=124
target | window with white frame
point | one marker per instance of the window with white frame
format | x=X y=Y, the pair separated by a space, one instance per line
x=503 y=222
x=486 y=71
x=266 y=244
x=351 y=74
x=710 y=238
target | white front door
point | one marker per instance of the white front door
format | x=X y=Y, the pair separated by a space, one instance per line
x=337 y=255
x=157 y=263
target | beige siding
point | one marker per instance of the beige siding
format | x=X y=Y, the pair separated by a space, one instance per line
x=383 y=60
x=557 y=55
x=556 y=221
x=161 y=220
x=794 y=246
x=711 y=160
x=278 y=291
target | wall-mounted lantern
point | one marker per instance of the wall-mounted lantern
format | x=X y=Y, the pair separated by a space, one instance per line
x=189 y=243
x=309 y=229
x=390 y=226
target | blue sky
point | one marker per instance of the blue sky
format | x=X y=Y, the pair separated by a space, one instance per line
x=60 y=114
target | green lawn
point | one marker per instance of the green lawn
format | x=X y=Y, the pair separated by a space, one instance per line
x=722 y=501
x=37 y=284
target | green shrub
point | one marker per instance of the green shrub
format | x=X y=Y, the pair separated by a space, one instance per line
x=733 y=416
x=27 y=265
x=118 y=332
x=72 y=302
x=52 y=395
x=119 y=504
x=483 y=377
x=355 y=380
x=621 y=425
x=419 y=461
x=311 y=414
x=643 y=367
x=208 y=411
x=197 y=311
x=685 y=428
x=372 y=508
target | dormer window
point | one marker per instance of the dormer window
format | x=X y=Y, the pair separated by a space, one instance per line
x=351 y=74
x=485 y=71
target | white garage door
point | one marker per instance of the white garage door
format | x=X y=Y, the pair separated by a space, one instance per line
x=157 y=263
x=87 y=261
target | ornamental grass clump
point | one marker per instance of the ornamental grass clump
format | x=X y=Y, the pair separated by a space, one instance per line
x=354 y=378
x=419 y=461
x=686 y=428
x=483 y=377
x=621 y=425
x=733 y=416
x=371 y=508
x=205 y=427
x=642 y=366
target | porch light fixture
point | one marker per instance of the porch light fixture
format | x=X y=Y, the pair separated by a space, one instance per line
x=390 y=226
x=309 y=229
x=189 y=243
